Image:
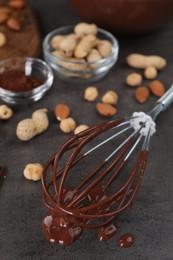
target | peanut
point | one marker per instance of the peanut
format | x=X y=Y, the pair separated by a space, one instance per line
x=55 y=41
x=134 y=79
x=85 y=46
x=142 y=93
x=157 y=88
x=104 y=47
x=94 y=56
x=143 y=61
x=25 y=130
x=30 y=127
x=106 y=109
x=40 y=120
x=85 y=28
x=68 y=45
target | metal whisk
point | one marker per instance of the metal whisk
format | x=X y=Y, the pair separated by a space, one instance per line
x=76 y=199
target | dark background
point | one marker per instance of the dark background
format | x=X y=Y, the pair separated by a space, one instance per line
x=21 y=208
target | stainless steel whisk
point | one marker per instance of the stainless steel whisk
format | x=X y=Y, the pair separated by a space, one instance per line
x=95 y=201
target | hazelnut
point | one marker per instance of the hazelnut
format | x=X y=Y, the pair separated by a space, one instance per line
x=150 y=72
x=80 y=128
x=134 y=79
x=5 y=112
x=33 y=171
x=91 y=93
x=67 y=125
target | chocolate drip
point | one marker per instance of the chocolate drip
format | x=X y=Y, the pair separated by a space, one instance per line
x=125 y=240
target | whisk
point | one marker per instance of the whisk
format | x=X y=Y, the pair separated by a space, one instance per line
x=79 y=195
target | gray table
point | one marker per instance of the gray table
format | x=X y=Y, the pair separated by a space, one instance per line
x=21 y=208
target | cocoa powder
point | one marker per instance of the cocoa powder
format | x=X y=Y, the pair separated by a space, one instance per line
x=17 y=81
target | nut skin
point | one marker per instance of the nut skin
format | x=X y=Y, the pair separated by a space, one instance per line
x=5 y=112
x=67 y=125
x=110 y=97
x=33 y=171
x=133 y=79
x=62 y=111
x=91 y=93
x=142 y=94
x=106 y=110
x=157 y=88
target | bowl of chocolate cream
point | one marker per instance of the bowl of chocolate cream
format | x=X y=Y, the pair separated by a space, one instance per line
x=125 y=16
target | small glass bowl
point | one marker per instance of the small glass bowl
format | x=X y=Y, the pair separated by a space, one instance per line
x=31 y=67
x=93 y=71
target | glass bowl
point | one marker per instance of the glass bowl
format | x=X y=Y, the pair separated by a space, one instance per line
x=73 y=71
x=30 y=67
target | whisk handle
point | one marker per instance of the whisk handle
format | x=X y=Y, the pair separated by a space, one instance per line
x=167 y=98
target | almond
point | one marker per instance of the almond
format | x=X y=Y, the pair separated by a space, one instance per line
x=13 y=24
x=62 y=111
x=106 y=110
x=142 y=93
x=3 y=39
x=4 y=10
x=157 y=88
x=17 y=4
x=3 y=17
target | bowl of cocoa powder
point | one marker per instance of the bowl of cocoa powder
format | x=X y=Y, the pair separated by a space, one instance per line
x=24 y=80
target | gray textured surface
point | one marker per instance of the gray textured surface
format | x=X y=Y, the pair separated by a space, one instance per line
x=21 y=209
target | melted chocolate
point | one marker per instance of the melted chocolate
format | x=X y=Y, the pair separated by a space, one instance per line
x=88 y=205
x=125 y=240
x=63 y=230
x=106 y=232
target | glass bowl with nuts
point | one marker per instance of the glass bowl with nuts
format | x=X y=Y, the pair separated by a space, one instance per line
x=24 y=80
x=80 y=53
